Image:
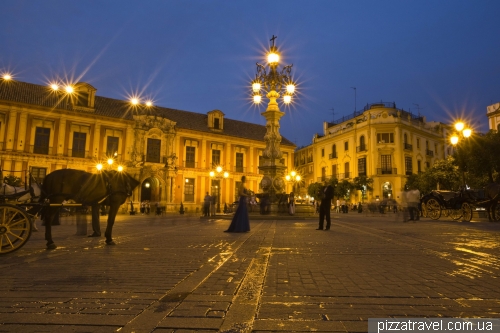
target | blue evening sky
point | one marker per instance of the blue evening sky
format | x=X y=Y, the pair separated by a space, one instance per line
x=200 y=55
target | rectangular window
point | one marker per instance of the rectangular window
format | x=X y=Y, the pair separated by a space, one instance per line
x=112 y=146
x=42 y=136
x=323 y=174
x=346 y=145
x=189 y=190
x=346 y=170
x=362 y=166
x=334 y=171
x=386 y=162
x=239 y=162
x=261 y=160
x=215 y=157
x=79 y=140
x=323 y=152
x=427 y=165
x=216 y=123
x=190 y=157
x=153 y=152
x=419 y=166
x=418 y=143
x=39 y=174
x=385 y=137
x=408 y=165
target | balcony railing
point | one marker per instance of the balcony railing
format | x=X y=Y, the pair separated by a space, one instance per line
x=408 y=146
x=345 y=175
x=409 y=173
x=361 y=148
x=387 y=171
x=238 y=168
x=309 y=159
x=79 y=153
x=41 y=150
x=429 y=153
x=332 y=155
x=190 y=164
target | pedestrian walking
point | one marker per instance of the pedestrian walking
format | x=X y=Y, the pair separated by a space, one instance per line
x=326 y=195
x=413 y=200
x=403 y=212
x=291 y=204
x=337 y=206
x=206 y=205
x=241 y=222
x=213 y=199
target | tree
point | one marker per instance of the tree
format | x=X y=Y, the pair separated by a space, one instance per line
x=443 y=172
x=313 y=189
x=363 y=184
x=343 y=189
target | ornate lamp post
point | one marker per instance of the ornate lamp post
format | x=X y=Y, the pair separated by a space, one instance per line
x=218 y=174
x=294 y=178
x=462 y=132
x=273 y=82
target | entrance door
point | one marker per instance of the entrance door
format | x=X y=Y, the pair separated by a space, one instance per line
x=146 y=189
x=387 y=190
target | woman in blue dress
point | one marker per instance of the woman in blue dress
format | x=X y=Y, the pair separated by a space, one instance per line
x=240 y=222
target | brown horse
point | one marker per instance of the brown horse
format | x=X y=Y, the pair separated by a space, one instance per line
x=492 y=192
x=109 y=187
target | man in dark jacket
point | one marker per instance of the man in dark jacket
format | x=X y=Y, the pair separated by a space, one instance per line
x=324 y=207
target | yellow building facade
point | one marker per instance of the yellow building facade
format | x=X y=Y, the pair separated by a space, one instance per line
x=170 y=151
x=493 y=113
x=381 y=142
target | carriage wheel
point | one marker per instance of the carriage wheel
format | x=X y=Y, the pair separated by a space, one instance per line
x=467 y=211
x=456 y=214
x=15 y=228
x=433 y=209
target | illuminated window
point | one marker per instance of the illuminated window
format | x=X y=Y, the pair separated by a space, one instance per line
x=189 y=190
x=42 y=136
x=79 y=141
x=153 y=152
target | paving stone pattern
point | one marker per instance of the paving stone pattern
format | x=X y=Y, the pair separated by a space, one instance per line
x=184 y=274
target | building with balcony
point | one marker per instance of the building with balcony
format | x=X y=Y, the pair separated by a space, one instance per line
x=381 y=142
x=170 y=151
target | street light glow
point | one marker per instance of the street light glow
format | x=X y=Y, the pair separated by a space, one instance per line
x=7 y=77
x=290 y=88
x=287 y=177
x=219 y=169
x=287 y=99
x=69 y=89
x=99 y=166
x=212 y=174
x=149 y=103
x=467 y=132
x=54 y=87
x=226 y=174
x=256 y=86
x=273 y=58
x=257 y=98
x=459 y=126
x=134 y=101
x=110 y=161
x=120 y=168
x=454 y=140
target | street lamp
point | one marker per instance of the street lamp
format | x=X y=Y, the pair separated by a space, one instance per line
x=272 y=82
x=294 y=178
x=462 y=132
x=217 y=174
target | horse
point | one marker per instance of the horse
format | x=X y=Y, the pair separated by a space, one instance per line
x=492 y=192
x=107 y=187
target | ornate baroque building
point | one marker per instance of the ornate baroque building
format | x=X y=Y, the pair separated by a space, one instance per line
x=170 y=151
x=381 y=142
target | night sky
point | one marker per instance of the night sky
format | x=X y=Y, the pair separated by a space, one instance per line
x=443 y=56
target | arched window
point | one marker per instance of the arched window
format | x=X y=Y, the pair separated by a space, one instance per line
x=334 y=152
x=405 y=138
x=362 y=141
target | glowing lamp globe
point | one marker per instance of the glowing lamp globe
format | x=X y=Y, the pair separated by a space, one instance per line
x=120 y=168
x=134 y=101
x=287 y=178
x=290 y=88
x=454 y=140
x=226 y=174
x=54 y=87
x=287 y=99
x=110 y=161
x=293 y=173
x=256 y=86
x=273 y=58
x=7 y=77
x=69 y=89
x=99 y=166
x=297 y=178
x=212 y=174
x=257 y=99
x=467 y=132
x=219 y=168
x=149 y=103
x=459 y=126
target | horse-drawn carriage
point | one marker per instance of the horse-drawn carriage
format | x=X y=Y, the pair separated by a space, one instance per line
x=461 y=204
x=19 y=206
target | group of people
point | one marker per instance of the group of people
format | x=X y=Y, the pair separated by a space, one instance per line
x=209 y=205
x=411 y=200
x=145 y=207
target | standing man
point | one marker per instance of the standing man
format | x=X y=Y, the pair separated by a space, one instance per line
x=206 y=205
x=413 y=201
x=213 y=200
x=324 y=207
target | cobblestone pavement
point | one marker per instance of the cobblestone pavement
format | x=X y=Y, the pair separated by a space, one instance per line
x=184 y=274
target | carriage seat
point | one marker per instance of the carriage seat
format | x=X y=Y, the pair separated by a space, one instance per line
x=447 y=195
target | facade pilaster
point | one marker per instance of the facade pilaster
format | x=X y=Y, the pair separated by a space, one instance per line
x=11 y=130
x=61 y=131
